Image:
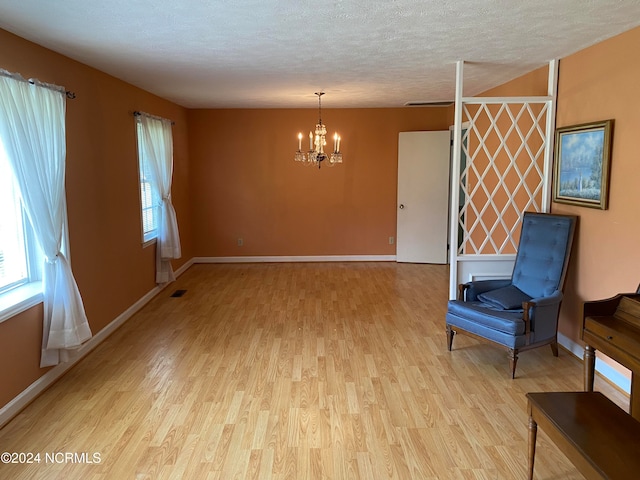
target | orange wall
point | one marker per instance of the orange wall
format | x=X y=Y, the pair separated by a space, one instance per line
x=594 y=84
x=112 y=269
x=534 y=83
x=245 y=183
x=599 y=83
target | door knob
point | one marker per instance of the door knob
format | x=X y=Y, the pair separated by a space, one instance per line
x=401 y=206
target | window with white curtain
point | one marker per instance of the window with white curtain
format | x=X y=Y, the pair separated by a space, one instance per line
x=33 y=132
x=155 y=153
x=20 y=256
x=149 y=195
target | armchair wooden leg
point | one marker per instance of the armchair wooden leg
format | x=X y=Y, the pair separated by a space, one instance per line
x=554 y=348
x=513 y=359
x=533 y=431
x=450 y=334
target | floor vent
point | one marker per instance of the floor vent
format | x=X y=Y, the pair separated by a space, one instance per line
x=178 y=293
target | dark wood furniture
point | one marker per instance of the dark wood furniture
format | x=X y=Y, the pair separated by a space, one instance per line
x=599 y=438
x=613 y=327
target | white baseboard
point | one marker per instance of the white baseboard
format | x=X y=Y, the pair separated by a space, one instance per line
x=285 y=258
x=606 y=370
x=25 y=397
x=183 y=268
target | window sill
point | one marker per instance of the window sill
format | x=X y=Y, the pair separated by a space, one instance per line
x=20 y=299
x=149 y=242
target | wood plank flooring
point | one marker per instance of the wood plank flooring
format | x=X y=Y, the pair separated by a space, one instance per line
x=293 y=371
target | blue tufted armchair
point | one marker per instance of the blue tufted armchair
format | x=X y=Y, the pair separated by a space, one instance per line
x=522 y=312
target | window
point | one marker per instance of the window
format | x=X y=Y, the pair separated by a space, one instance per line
x=149 y=196
x=155 y=158
x=20 y=258
x=13 y=254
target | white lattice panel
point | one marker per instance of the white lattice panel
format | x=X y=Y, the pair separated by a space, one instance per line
x=503 y=175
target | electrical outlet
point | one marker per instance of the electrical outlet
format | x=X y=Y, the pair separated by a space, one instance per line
x=391 y=240
x=240 y=242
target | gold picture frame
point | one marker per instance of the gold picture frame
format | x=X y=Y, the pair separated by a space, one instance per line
x=582 y=164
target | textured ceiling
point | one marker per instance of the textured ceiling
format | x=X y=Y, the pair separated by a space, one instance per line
x=277 y=53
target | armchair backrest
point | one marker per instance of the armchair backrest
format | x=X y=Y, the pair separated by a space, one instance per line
x=543 y=253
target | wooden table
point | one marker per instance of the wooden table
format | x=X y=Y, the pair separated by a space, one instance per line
x=599 y=438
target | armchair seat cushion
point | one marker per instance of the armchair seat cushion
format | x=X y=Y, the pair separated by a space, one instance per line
x=501 y=320
x=506 y=298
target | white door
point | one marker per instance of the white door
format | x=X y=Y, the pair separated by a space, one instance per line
x=423 y=197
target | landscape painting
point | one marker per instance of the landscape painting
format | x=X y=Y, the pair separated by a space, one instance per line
x=583 y=155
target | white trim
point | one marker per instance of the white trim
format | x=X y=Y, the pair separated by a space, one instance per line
x=497 y=100
x=494 y=257
x=183 y=268
x=552 y=90
x=30 y=393
x=286 y=258
x=604 y=369
x=150 y=241
x=14 y=406
x=19 y=299
x=455 y=184
x=476 y=276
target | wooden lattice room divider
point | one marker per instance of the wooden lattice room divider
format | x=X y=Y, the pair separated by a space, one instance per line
x=502 y=156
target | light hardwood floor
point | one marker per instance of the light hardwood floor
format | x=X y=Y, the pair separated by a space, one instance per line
x=297 y=371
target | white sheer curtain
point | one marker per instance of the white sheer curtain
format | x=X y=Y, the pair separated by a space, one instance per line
x=32 y=125
x=157 y=147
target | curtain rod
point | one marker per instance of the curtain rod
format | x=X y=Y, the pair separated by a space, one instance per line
x=70 y=95
x=137 y=113
x=50 y=86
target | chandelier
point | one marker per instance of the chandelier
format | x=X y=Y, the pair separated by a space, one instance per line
x=316 y=153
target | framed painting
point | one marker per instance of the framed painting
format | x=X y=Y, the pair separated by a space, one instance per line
x=582 y=164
